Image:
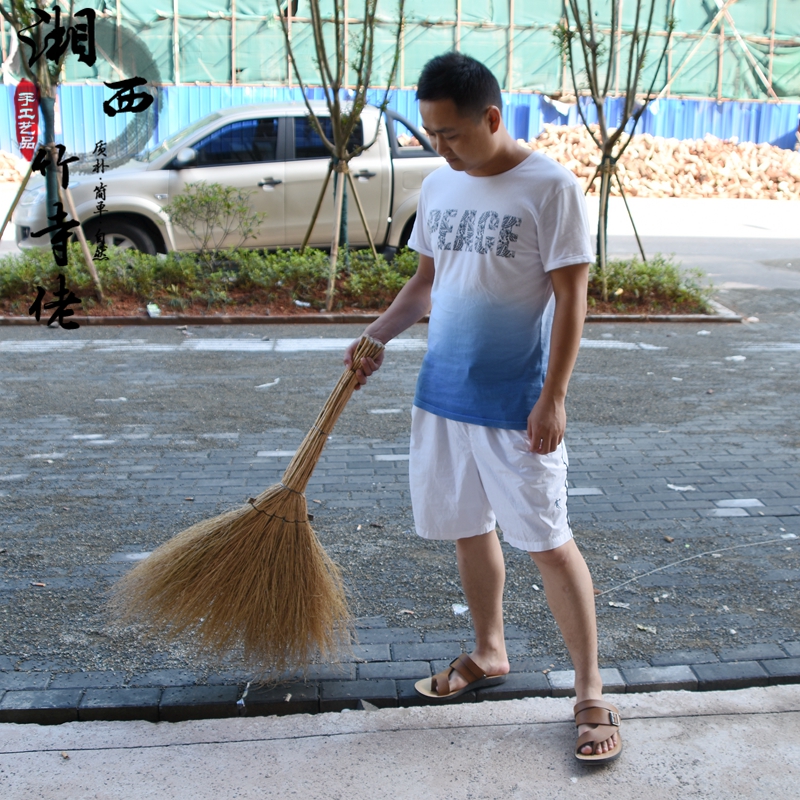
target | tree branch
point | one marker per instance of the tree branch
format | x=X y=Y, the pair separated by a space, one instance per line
x=326 y=77
x=301 y=84
x=568 y=35
x=613 y=38
x=670 y=26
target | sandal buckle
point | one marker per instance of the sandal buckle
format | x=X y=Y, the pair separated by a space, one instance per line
x=613 y=719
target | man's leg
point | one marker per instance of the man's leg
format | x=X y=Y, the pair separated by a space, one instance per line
x=570 y=595
x=483 y=575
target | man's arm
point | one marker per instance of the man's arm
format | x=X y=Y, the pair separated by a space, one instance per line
x=412 y=303
x=548 y=419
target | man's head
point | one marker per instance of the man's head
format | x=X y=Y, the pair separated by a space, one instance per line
x=468 y=83
x=460 y=104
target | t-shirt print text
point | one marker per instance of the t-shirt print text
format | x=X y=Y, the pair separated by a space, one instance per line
x=488 y=234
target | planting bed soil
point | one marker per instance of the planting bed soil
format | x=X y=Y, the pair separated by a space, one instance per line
x=245 y=305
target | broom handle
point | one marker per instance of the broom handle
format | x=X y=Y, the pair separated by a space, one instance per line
x=305 y=459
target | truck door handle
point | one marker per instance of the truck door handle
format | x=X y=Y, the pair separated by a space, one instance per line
x=365 y=175
x=269 y=182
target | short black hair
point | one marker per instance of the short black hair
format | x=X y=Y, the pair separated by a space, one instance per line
x=464 y=80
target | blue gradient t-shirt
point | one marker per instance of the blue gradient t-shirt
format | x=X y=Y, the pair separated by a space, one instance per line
x=493 y=241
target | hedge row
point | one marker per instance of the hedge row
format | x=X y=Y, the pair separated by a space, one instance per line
x=177 y=280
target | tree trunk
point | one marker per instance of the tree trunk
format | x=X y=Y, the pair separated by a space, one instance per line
x=344 y=240
x=87 y=255
x=339 y=184
x=606 y=171
x=317 y=207
x=51 y=176
x=361 y=214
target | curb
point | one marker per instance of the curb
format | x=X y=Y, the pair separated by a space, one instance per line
x=24 y=697
x=216 y=319
x=723 y=315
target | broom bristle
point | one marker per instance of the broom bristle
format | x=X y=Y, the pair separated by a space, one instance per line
x=255 y=577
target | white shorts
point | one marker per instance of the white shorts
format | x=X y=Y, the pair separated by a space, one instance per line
x=465 y=478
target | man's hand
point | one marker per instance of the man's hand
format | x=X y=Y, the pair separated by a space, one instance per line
x=368 y=365
x=548 y=420
x=546 y=425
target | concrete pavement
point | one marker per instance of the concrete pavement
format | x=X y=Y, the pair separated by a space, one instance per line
x=738 y=744
x=717 y=218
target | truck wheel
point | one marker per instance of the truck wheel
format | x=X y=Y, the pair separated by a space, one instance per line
x=406 y=234
x=121 y=234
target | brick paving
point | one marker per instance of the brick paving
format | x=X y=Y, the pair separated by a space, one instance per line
x=720 y=598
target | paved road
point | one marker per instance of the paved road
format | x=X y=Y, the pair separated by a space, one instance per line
x=673 y=432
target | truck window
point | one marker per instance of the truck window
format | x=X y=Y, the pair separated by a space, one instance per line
x=307 y=143
x=244 y=142
x=406 y=138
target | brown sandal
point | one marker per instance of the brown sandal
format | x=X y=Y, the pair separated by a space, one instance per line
x=606 y=719
x=438 y=687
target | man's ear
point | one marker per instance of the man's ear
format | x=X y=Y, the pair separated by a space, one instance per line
x=494 y=117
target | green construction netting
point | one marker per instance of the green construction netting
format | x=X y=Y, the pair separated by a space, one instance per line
x=214 y=37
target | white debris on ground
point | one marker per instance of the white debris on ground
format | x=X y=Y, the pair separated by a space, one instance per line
x=654 y=166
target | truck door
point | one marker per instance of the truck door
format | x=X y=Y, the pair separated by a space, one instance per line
x=306 y=168
x=244 y=154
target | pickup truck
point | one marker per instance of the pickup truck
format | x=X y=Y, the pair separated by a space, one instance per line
x=272 y=152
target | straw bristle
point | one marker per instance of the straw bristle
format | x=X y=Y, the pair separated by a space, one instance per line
x=256 y=577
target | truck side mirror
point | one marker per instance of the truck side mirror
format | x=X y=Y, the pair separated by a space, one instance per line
x=185 y=156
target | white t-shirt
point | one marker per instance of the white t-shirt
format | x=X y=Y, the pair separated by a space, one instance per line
x=493 y=241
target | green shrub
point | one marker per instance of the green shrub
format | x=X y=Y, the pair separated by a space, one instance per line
x=371 y=282
x=659 y=283
x=209 y=213
x=176 y=279
x=179 y=277
x=406 y=262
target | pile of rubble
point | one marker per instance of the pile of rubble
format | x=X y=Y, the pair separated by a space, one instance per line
x=12 y=169
x=653 y=166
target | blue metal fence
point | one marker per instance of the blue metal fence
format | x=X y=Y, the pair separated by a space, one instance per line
x=83 y=122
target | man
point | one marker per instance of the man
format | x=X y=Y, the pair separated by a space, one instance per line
x=504 y=248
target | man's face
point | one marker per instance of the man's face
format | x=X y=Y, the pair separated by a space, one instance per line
x=466 y=142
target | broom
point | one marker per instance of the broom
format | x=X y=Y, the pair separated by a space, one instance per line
x=255 y=577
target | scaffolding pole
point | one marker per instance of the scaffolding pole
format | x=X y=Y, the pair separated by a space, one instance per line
x=510 y=76
x=233 y=42
x=720 y=56
x=119 y=32
x=772 y=39
x=346 y=46
x=618 y=34
x=176 y=69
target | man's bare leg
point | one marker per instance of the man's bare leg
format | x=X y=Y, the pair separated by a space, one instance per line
x=570 y=595
x=483 y=575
